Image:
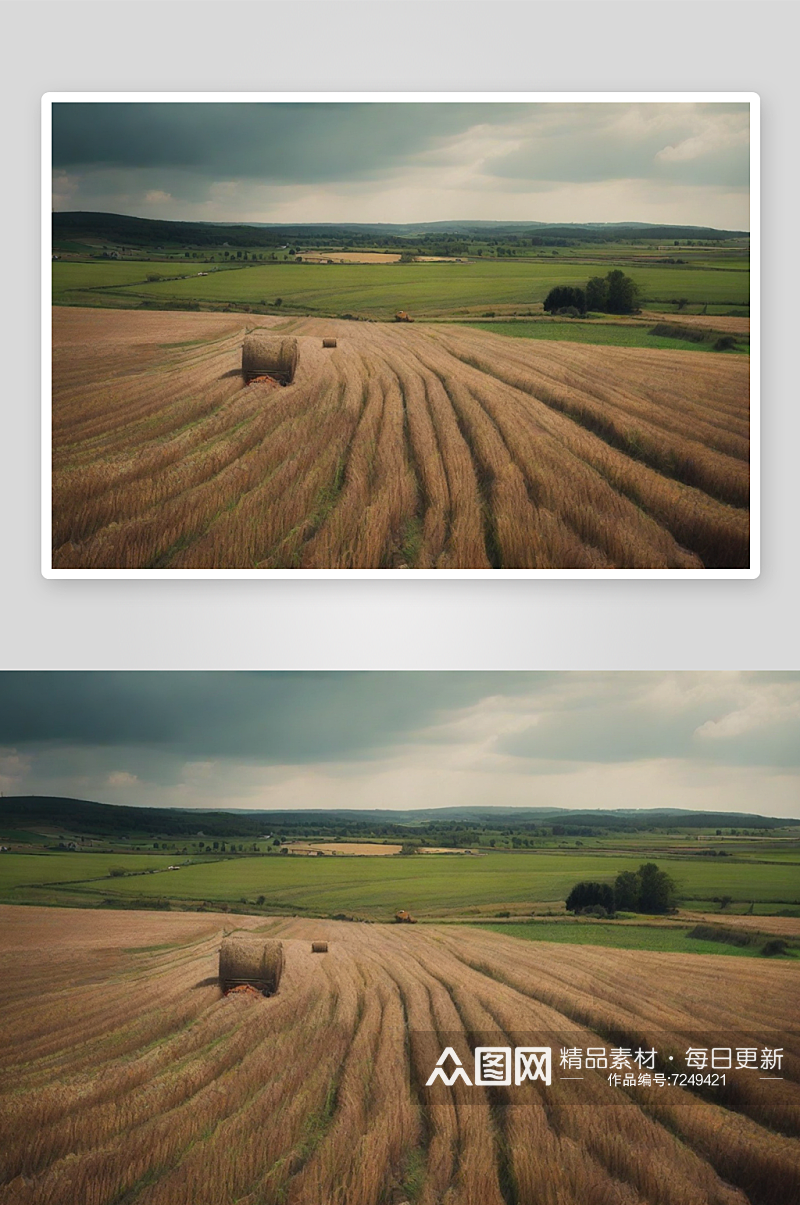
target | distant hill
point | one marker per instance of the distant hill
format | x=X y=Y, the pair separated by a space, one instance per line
x=82 y=816
x=122 y=229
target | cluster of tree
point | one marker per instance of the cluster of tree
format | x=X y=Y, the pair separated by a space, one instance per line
x=646 y=890
x=439 y=247
x=565 y=298
x=592 y=898
x=552 y=242
x=614 y=293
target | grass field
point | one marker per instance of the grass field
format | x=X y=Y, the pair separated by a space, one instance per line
x=128 y=1077
x=111 y=274
x=377 y=887
x=602 y=334
x=427 y=446
x=378 y=290
x=668 y=939
x=19 y=870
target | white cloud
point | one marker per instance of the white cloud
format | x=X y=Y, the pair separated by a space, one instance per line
x=725 y=133
x=772 y=709
x=65 y=189
x=14 y=768
x=121 y=778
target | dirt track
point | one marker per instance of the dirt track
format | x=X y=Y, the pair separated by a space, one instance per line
x=408 y=446
x=128 y=1077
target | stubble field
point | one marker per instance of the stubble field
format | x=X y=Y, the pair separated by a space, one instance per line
x=405 y=447
x=127 y=1077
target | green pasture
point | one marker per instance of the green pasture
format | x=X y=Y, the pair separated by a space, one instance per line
x=109 y=274
x=669 y=939
x=376 y=887
x=23 y=836
x=378 y=290
x=590 y=332
x=791 y=854
x=722 y=255
x=24 y=870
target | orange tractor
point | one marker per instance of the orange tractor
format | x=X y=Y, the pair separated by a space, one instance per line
x=402 y=316
x=404 y=918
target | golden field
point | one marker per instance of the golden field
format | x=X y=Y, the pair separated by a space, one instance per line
x=357 y=849
x=128 y=1077
x=407 y=446
x=729 y=323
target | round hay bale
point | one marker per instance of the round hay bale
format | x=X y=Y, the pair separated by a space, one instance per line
x=328 y=342
x=245 y=958
x=319 y=947
x=267 y=356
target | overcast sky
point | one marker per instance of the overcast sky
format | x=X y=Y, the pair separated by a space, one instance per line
x=406 y=162
x=721 y=741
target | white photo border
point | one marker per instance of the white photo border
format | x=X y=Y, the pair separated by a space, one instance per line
x=750 y=98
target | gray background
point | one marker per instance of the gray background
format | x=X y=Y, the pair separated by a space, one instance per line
x=440 y=46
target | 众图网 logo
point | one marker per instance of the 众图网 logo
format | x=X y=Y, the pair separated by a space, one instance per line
x=502 y=1066
x=494 y=1065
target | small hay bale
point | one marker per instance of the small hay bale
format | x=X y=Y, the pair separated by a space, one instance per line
x=319 y=947
x=265 y=355
x=245 y=958
x=328 y=342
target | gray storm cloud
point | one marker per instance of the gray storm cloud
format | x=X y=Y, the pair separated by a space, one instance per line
x=267 y=717
x=366 y=740
x=380 y=162
x=284 y=143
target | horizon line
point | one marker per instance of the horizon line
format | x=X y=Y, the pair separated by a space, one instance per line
x=447 y=807
x=389 y=225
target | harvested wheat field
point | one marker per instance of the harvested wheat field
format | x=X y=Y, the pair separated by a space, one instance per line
x=728 y=323
x=350 y=257
x=357 y=849
x=404 y=447
x=129 y=1077
x=781 y=926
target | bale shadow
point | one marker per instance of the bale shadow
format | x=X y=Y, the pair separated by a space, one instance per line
x=209 y=982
